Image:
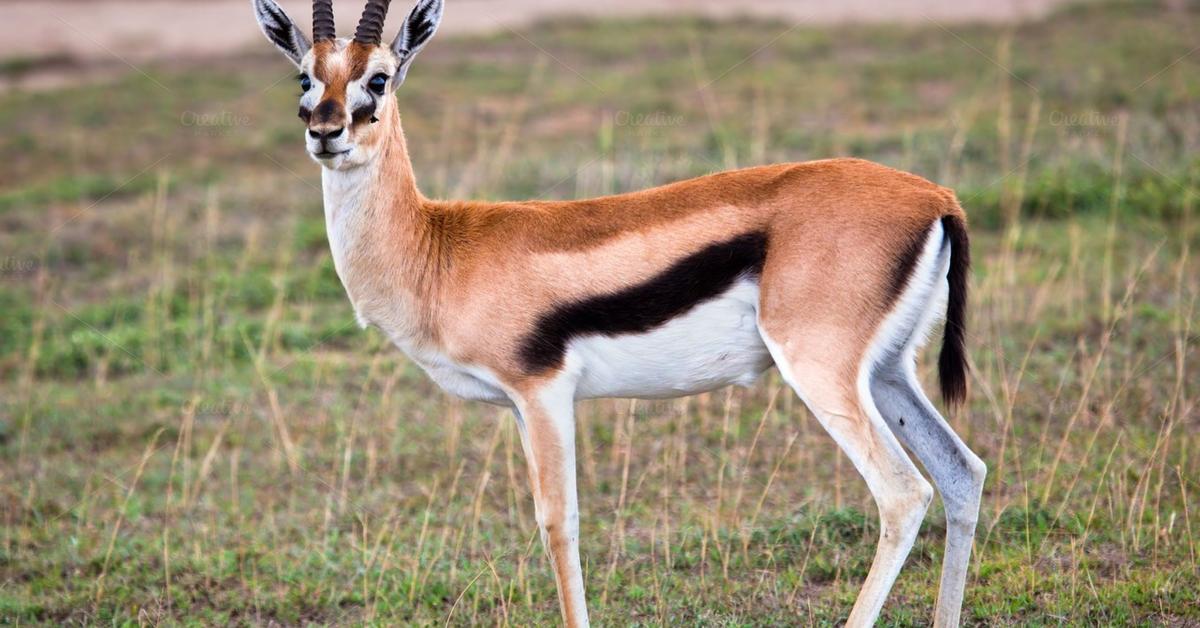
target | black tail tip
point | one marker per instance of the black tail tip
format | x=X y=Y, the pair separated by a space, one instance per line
x=952 y=362
x=952 y=375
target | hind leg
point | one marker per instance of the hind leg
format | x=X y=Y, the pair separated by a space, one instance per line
x=956 y=470
x=827 y=384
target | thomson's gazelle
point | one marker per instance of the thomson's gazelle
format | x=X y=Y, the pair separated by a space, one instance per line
x=834 y=271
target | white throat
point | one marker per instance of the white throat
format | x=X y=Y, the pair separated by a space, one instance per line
x=347 y=225
x=346 y=215
x=365 y=263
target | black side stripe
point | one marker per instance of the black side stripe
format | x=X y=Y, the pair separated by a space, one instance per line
x=905 y=262
x=693 y=280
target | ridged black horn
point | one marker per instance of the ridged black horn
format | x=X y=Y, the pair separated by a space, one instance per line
x=370 y=27
x=323 y=28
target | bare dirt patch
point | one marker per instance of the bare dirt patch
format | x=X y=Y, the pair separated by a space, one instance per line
x=117 y=35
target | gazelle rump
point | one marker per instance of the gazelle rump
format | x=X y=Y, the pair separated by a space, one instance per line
x=834 y=271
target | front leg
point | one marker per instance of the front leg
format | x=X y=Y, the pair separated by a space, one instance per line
x=546 y=420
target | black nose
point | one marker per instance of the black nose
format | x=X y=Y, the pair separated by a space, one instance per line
x=328 y=135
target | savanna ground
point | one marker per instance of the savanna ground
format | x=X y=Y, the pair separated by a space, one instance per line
x=193 y=429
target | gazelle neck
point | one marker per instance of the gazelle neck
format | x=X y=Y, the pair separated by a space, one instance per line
x=377 y=228
x=384 y=184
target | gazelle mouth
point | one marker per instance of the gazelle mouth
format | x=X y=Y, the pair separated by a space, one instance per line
x=328 y=154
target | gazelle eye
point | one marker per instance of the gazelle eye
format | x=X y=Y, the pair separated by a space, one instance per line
x=378 y=83
x=305 y=82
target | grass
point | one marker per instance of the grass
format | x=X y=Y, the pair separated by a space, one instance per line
x=193 y=429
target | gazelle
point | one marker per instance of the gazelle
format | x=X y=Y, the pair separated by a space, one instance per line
x=833 y=271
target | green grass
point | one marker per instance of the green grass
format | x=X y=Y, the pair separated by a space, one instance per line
x=194 y=430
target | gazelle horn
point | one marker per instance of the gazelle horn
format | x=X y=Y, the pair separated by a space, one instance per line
x=323 y=28
x=370 y=27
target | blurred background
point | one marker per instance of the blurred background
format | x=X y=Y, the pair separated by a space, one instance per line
x=192 y=426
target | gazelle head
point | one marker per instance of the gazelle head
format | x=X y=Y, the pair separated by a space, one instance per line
x=347 y=84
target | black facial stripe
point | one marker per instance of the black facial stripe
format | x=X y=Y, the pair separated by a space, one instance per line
x=305 y=114
x=697 y=278
x=364 y=113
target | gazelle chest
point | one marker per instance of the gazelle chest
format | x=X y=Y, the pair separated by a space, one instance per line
x=473 y=383
x=380 y=299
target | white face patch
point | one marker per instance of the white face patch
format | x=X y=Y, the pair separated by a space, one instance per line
x=310 y=98
x=359 y=94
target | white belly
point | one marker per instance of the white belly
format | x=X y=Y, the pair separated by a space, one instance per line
x=715 y=344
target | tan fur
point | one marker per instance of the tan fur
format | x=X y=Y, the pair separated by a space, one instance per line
x=545 y=466
x=467 y=259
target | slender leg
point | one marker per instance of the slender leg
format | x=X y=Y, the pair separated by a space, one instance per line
x=957 y=472
x=546 y=421
x=901 y=493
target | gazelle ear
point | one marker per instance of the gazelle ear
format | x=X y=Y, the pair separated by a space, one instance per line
x=417 y=30
x=280 y=29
